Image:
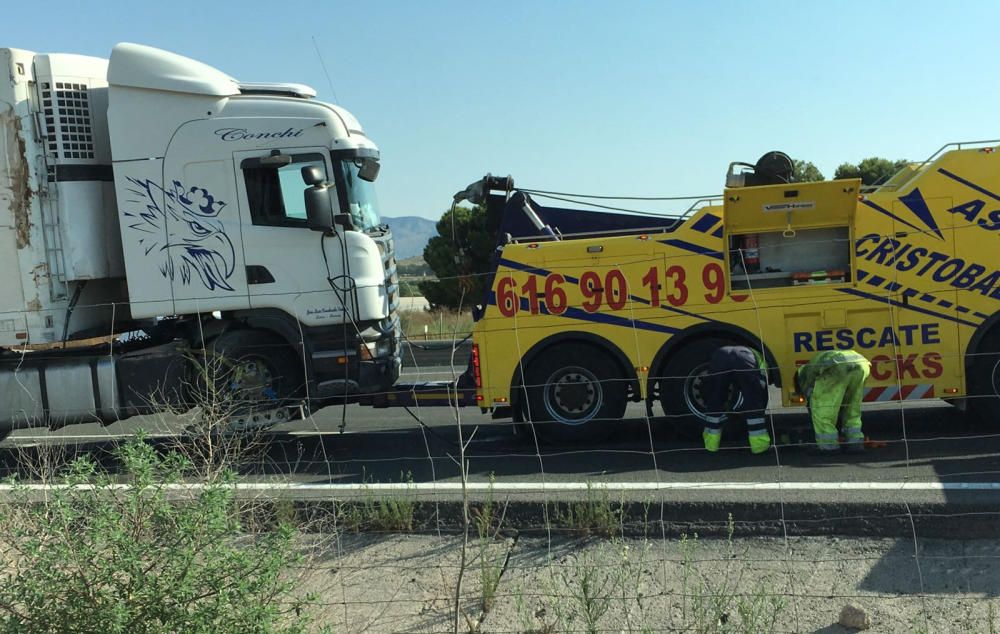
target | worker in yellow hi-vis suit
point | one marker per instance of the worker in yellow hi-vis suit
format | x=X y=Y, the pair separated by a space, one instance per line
x=833 y=385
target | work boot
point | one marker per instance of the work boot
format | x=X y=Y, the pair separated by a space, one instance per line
x=760 y=443
x=712 y=440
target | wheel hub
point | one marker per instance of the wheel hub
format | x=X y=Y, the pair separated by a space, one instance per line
x=696 y=396
x=573 y=395
x=253 y=380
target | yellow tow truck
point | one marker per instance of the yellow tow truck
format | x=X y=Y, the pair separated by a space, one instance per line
x=586 y=311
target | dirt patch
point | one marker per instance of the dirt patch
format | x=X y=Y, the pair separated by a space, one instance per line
x=380 y=583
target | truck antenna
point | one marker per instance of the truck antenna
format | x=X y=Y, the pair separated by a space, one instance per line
x=325 y=72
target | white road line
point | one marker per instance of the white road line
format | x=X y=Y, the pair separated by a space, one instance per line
x=564 y=487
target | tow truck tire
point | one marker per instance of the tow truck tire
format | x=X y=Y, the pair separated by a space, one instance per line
x=574 y=393
x=682 y=386
x=258 y=364
x=984 y=381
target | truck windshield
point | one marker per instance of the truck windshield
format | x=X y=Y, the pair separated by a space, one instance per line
x=360 y=195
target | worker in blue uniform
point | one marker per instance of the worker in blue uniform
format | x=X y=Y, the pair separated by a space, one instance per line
x=737 y=370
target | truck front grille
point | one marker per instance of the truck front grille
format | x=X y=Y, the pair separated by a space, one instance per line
x=392 y=284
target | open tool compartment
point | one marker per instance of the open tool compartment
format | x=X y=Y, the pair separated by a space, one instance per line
x=792 y=234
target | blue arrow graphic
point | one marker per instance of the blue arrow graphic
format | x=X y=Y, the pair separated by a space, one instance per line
x=916 y=203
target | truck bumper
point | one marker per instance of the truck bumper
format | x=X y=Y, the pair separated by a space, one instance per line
x=377 y=376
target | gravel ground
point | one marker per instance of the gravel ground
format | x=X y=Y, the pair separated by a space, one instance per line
x=406 y=583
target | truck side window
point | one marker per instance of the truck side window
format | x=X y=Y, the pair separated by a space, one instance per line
x=276 y=195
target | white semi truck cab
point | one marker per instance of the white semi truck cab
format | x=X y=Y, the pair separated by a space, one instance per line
x=155 y=209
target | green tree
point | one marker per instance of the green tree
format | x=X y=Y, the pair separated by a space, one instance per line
x=413 y=267
x=460 y=256
x=806 y=172
x=872 y=170
x=408 y=289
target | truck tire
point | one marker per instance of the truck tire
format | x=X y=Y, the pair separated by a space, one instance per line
x=574 y=393
x=984 y=380
x=682 y=387
x=256 y=368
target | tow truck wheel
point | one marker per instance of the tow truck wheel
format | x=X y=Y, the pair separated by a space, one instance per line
x=984 y=383
x=683 y=387
x=255 y=371
x=574 y=393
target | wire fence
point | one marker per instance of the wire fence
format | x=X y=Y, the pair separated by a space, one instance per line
x=445 y=519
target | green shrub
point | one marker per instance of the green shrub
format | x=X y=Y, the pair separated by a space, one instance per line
x=596 y=514
x=94 y=556
x=381 y=513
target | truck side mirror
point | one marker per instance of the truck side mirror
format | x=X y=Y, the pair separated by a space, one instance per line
x=312 y=175
x=319 y=208
x=368 y=170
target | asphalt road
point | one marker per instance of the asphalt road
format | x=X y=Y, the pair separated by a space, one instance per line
x=936 y=474
x=924 y=443
x=927 y=443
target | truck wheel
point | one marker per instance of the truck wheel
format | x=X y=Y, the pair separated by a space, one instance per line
x=574 y=394
x=257 y=370
x=984 y=380
x=683 y=387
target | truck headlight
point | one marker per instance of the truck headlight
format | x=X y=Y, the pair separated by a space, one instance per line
x=375 y=350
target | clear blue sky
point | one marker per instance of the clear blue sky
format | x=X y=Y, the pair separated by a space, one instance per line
x=637 y=98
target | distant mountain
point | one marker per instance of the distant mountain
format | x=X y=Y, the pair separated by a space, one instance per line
x=411 y=234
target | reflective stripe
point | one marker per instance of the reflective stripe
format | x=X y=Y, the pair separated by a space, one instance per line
x=894 y=393
x=715 y=420
x=852 y=356
x=821 y=437
x=756 y=422
x=891 y=394
x=922 y=391
x=757 y=432
x=824 y=447
x=761 y=365
x=713 y=432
